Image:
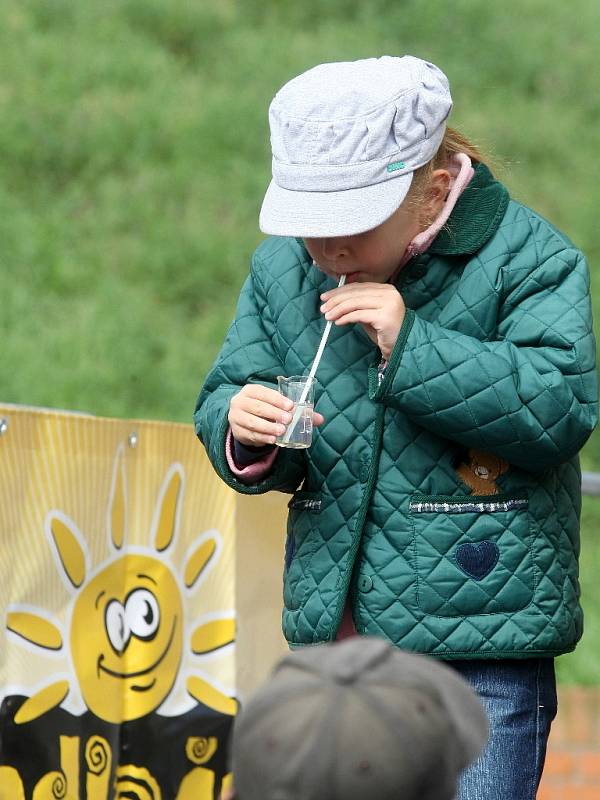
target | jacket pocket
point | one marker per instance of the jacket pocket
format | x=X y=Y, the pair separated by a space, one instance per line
x=472 y=555
x=303 y=538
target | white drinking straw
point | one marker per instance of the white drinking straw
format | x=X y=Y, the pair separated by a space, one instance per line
x=313 y=371
x=322 y=343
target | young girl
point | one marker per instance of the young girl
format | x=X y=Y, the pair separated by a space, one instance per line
x=438 y=506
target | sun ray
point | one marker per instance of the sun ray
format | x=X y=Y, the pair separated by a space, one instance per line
x=35 y=629
x=46 y=699
x=211 y=697
x=66 y=539
x=117 y=507
x=168 y=504
x=198 y=561
x=213 y=635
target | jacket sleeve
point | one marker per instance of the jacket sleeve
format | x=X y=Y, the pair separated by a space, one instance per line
x=529 y=396
x=247 y=356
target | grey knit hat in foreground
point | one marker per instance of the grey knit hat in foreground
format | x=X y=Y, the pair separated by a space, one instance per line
x=355 y=720
x=346 y=138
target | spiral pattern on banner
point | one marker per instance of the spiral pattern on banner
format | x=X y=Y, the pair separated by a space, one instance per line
x=136 y=783
x=200 y=749
x=97 y=755
x=53 y=786
x=59 y=786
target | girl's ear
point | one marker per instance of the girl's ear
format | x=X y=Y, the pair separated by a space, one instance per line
x=435 y=196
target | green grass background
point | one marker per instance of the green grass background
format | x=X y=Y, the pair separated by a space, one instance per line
x=134 y=155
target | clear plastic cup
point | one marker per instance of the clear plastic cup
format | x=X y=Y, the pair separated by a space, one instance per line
x=300 y=389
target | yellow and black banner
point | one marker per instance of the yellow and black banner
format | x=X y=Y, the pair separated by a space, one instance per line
x=117 y=643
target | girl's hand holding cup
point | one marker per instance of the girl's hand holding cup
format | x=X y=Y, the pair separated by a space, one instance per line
x=257 y=415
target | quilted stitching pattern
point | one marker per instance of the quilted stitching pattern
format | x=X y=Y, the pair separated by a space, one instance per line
x=529 y=395
x=500 y=357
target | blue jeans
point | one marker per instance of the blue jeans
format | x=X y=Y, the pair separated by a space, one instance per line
x=520 y=700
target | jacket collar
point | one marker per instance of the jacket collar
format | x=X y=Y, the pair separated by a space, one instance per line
x=476 y=216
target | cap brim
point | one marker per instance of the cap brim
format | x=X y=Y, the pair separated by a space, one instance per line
x=324 y=214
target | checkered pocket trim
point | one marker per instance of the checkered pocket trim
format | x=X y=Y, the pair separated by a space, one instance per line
x=467 y=507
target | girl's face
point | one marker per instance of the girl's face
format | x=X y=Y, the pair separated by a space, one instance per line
x=370 y=256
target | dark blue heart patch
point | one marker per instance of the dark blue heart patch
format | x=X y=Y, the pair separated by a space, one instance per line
x=477 y=560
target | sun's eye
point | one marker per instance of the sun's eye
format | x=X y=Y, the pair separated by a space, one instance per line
x=142 y=614
x=117 y=627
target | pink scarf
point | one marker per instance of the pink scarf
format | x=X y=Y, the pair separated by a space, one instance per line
x=461 y=172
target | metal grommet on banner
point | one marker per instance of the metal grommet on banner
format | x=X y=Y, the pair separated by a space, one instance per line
x=3 y=426
x=132 y=440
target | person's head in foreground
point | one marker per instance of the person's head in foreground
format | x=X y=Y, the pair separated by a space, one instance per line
x=363 y=163
x=355 y=720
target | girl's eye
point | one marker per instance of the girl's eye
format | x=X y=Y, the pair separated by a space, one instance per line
x=142 y=614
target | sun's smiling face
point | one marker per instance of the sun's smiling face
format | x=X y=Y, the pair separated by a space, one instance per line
x=128 y=619
x=126 y=637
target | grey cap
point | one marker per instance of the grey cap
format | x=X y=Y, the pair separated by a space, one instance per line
x=355 y=720
x=346 y=138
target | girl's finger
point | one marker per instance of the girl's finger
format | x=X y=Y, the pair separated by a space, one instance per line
x=249 y=429
x=364 y=297
x=362 y=315
x=365 y=302
x=318 y=419
x=251 y=438
x=350 y=288
x=362 y=288
x=259 y=408
x=270 y=396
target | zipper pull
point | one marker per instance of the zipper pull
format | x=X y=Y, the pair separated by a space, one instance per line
x=381 y=371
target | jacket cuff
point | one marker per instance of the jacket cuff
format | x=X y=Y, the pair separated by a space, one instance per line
x=252 y=471
x=244 y=454
x=283 y=474
x=380 y=384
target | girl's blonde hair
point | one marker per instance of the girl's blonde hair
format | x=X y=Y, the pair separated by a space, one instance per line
x=452 y=143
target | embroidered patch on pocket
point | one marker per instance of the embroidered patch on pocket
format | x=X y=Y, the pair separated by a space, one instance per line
x=477 y=560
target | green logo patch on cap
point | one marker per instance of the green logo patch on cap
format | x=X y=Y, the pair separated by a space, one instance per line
x=395 y=165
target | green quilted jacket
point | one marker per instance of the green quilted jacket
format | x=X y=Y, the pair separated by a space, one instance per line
x=492 y=383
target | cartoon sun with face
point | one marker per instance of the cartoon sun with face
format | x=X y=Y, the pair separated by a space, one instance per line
x=130 y=617
x=126 y=630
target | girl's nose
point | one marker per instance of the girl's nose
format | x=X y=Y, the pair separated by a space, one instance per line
x=334 y=248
